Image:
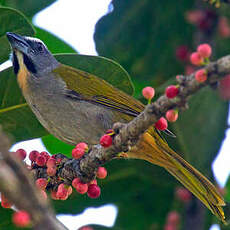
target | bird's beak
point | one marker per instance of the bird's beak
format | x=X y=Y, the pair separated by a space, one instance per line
x=17 y=42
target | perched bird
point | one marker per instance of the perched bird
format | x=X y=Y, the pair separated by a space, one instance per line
x=76 y=106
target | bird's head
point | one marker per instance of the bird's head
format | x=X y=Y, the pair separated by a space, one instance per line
x=31 y=54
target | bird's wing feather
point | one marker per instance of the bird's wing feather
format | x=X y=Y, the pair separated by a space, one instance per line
x=85 y=86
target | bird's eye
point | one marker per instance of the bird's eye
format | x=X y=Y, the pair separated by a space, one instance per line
x=40 y=47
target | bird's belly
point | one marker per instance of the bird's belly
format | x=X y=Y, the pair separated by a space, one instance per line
x=73 y=121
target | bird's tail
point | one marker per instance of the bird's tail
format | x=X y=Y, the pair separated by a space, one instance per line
x=155 y=150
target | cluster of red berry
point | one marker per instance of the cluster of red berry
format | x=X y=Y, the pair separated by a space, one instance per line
x=171 y=115
x=173 y=217
x=62 y=191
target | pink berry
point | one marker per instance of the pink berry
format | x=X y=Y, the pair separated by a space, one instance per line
x=75 y=182
x=82 y=145
x=172 y=115
x=21 y=153
x=51 y=171
x=223 y=27
x=81 y=187
x=171 y=91
x=182 y=53
x=51 y=163
x=78 y=153
x=106 y=141
x=62 y=191
x=196 y=59
x=173 y=218
x=45 y=154
x=33 y=155
x=161 y=124
x=101 y=172
x=94 y=191
x=189 y=69
x=183 y=194
x=4 y=202
x=41 y=183
x=201 y=75
x=148 y=92
x=86 y=228
x=195 y=16
x=54 y=195
x=70 y=190
x=224 y=87
x=21 y=219
x=170 y=227
x=204 y=50
x=40 y=160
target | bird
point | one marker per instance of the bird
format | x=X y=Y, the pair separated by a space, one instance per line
x=76 y=106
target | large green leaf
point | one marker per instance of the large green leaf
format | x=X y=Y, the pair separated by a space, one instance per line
x=11 y=21
x=143 y=36
x=17 y=118
x=28 y=7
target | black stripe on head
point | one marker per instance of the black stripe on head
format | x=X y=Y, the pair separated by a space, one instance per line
x=15 y=63
x=29 y=64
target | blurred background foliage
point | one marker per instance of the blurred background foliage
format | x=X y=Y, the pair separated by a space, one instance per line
x=151 y=40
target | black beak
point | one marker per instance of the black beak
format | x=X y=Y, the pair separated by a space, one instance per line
x=17 y=42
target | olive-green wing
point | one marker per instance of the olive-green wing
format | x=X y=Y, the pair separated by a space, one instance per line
x=85 y=86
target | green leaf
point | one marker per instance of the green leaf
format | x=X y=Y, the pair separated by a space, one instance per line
x=55 y=44
x=28 y=7
x=17 y=118
x=143 y=36
x=12 y=21
x=102 y=67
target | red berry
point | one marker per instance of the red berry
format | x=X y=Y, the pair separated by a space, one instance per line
x=223 y=27
x=204 y=50
x=173 y=218
x=201 y=75
x=170 y=227
x=51 y=163
x=82 y=145
x=75 y=182
x=106 y=141
x=148 y=92
x=78 y=153
x=182 y=53
x=51 y=171
x=224 y=87
x=101 y=172
x=172 y=115
x=40 y=160
x=161 y=124
x=21 y=153
x=183 y=194
x=94 y=191
x=54 y=195
x=81 y=187
x=171 y=91
x=4 y=202
x=196 y=59
x=45 y=154
x=41 y=183
x=21 y=219
x=70 y=190
x=62 y=191
x=33 y=155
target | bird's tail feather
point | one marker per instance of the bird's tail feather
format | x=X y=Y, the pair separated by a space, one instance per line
x=155 y=150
